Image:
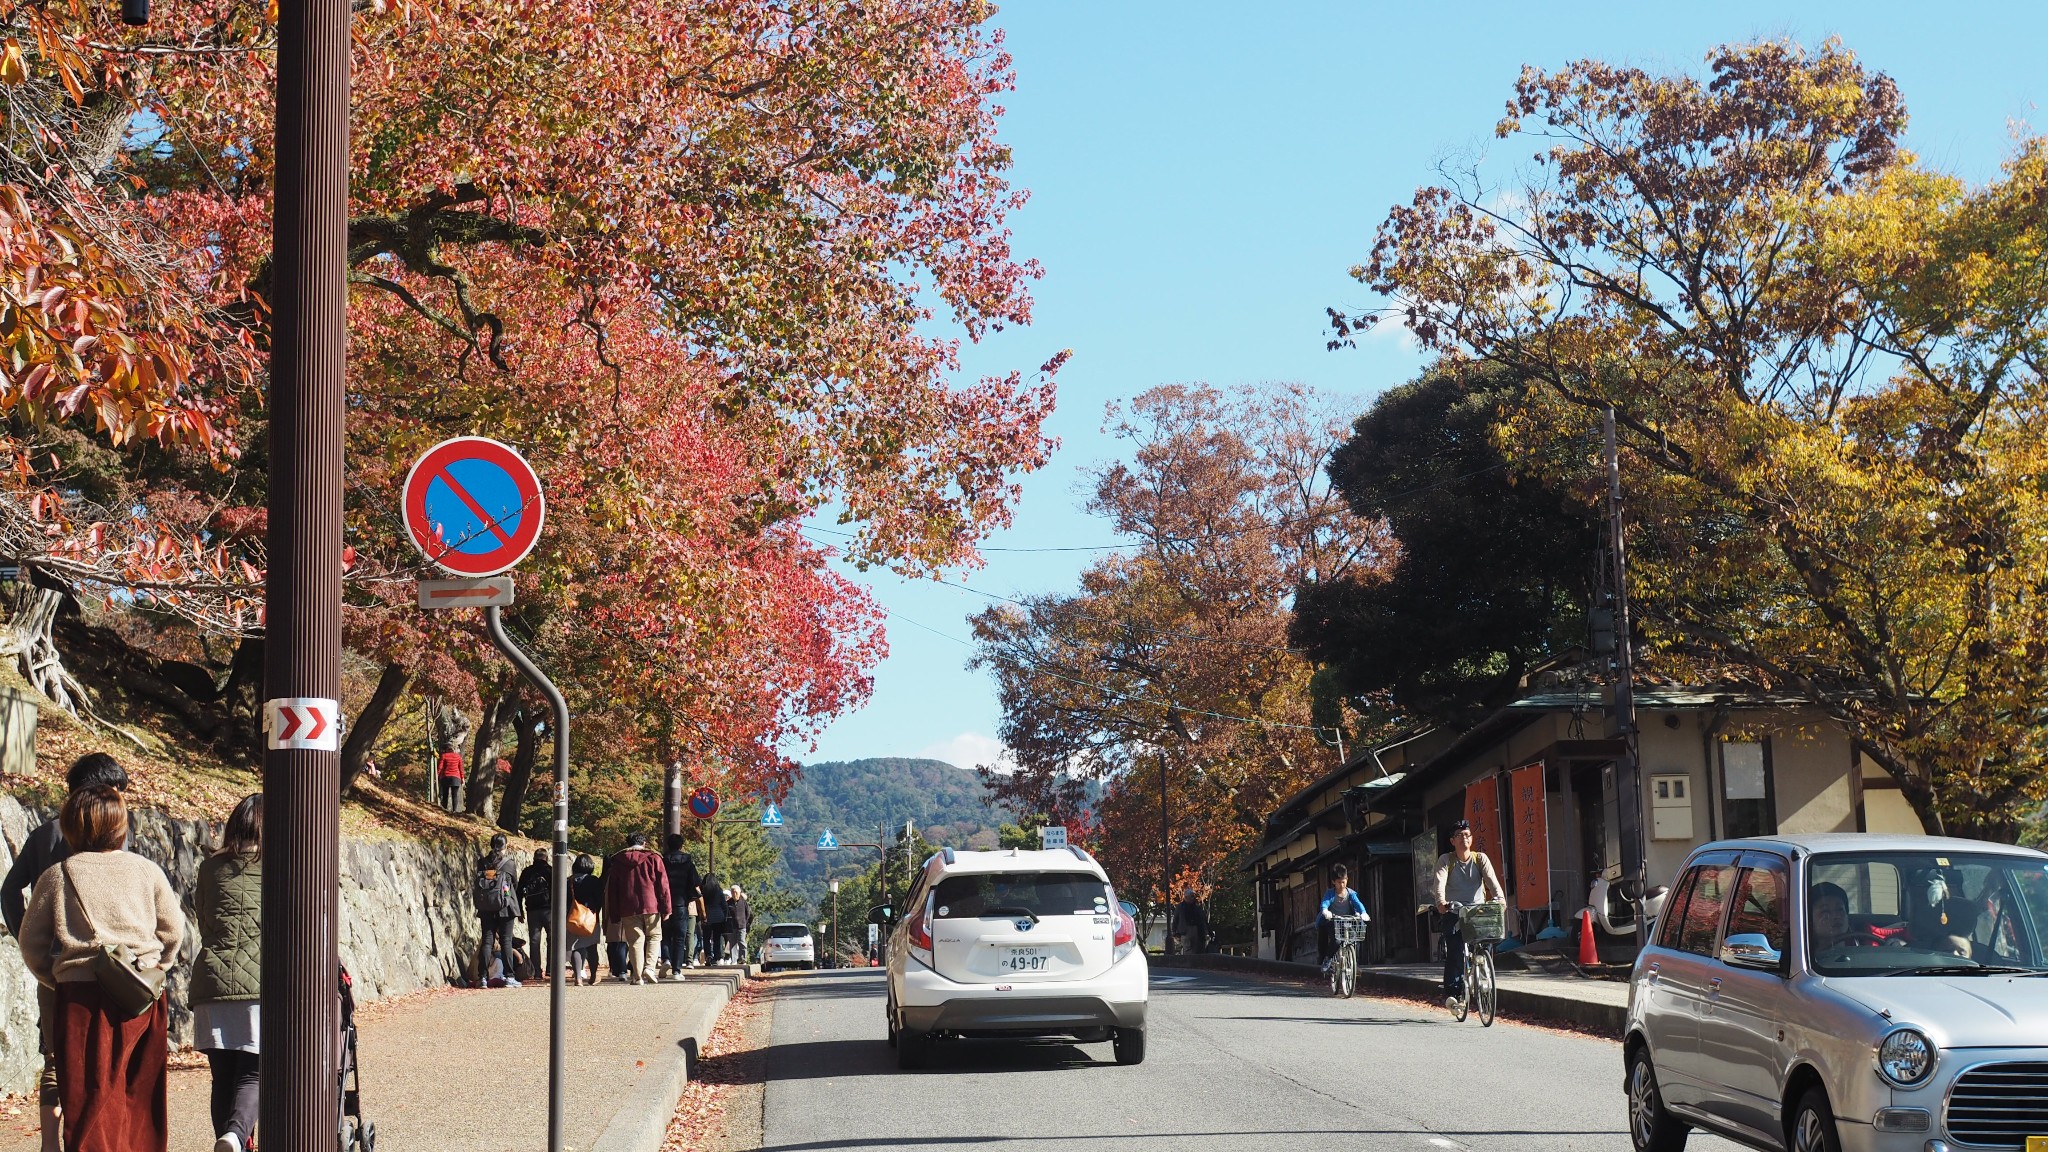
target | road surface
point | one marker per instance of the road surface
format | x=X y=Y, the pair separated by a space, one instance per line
x=1232 y=1065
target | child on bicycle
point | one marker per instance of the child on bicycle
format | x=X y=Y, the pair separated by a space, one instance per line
x=1462 y=877
x=1340 y=900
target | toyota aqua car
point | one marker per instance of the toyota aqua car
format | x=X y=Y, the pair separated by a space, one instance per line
x=1846 y=993
x=1015 y=944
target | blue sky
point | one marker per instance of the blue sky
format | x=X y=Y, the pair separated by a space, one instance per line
x=1202 y=175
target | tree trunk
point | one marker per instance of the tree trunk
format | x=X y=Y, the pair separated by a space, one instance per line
x=525 y=751
x=30 y=637
x=370 y=722
x=446 y=727
x=242 y=692
x=483 y=766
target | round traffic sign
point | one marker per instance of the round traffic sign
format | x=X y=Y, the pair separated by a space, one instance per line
x=473 y=506
x=703 y=803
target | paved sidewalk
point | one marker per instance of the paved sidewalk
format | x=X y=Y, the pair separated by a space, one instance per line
x=466 y=1071
x=1600 y=1005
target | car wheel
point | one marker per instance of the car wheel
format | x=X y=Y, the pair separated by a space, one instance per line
x=1650 y=1127
x=911 y=1048
x=1129 y=1044
x=1813 y=1124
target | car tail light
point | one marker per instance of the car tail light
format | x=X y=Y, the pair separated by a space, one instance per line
x=1126 y=937
x=920 y=931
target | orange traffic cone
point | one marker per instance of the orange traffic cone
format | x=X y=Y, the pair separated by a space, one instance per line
x=1589 y=951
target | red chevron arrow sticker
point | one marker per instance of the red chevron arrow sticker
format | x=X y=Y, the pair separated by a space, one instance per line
x=307 y=722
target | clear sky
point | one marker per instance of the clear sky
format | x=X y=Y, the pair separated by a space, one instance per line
x=1203 y=173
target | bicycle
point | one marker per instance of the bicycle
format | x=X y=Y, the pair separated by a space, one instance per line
x=1481 y=926
x=1343 y=966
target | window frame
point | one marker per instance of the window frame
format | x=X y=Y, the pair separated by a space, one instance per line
x=1730 y=860
x=1764 y=862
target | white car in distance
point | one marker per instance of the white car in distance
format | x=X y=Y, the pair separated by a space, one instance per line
x=1015 y=944
x=788 y=946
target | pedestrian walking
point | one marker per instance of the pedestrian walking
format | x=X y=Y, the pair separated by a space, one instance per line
x=739 y=916
x=616 y=961
x=683 y=881
x=110 y=1023
x=637 y=894
x=496 y=895
x=537 y=895
x=227 y=979
x=449 y=769
x=586 y=889
x=1192 y=922
x=712 y=893
x=42 y=848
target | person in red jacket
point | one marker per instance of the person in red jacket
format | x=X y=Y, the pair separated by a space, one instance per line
x=636 y=895
x=449 y=768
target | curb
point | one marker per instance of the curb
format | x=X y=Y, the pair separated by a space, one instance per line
x=1609 y=1020
x=641 y=1122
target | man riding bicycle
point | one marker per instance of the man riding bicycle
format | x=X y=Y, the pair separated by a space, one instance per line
x=1462 y=877
x=1340 y=900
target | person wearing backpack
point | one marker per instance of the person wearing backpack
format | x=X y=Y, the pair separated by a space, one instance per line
x=497 y=905
x=683 y=882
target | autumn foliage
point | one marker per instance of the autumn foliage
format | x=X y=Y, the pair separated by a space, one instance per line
x=707 y=265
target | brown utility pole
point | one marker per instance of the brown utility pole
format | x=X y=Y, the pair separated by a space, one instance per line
x=302 y=590
x=1628 y=783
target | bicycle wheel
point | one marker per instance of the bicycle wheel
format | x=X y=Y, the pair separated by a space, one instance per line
x=1347 y=972
x=1484 y=990
x=1461 y=1006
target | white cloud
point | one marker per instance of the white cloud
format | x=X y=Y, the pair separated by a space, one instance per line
x=971 y=750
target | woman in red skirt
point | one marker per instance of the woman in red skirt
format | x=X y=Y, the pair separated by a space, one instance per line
x=110 y=1066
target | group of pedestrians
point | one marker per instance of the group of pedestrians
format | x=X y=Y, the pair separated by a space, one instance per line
x=655 y=914
x=100 y=929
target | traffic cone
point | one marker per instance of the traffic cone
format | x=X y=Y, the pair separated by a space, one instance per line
x=1589 y=951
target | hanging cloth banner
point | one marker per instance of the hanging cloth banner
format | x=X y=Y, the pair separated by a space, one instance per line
x=1531 y=835
x=1482 y=809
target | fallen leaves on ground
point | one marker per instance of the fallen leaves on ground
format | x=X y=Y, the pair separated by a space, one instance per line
x=727 y=1061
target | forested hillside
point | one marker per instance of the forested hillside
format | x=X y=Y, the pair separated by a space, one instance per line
x=856 y=798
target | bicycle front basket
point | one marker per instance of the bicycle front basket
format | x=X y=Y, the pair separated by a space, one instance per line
x=1349 y=929
x=1483 y=923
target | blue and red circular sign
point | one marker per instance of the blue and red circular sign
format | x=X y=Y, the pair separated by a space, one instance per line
x=473 y=506
x=703 y=803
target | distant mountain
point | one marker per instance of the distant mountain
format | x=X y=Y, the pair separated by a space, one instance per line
x=856 y=798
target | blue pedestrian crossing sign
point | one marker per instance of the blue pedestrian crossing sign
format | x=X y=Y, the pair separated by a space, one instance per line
x=771 y=817
x=828 y=842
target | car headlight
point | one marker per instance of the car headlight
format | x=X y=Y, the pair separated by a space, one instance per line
x=1906 y=1057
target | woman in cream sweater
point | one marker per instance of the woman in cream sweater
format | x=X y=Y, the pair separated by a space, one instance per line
x=110 y=1067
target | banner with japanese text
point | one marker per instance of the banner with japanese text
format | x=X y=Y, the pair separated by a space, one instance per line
x=1529 y=815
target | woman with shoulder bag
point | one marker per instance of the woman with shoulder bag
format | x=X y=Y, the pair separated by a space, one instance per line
x=227 y=980
x=101 y=929
x=586 y=893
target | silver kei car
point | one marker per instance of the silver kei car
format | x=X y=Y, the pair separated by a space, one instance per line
x=1846 y=993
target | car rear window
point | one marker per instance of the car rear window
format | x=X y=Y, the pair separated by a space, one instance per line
x=788 y=932
x=1012 y=893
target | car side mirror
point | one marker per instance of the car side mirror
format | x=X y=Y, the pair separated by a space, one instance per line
x=883 y=915
x=1751 y=950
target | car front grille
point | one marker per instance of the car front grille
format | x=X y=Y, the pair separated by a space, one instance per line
x=1999 y=1105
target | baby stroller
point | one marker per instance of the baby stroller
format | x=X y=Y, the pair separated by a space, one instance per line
x=357 y=1135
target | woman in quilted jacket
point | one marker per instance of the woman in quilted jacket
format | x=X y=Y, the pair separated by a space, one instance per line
x=227 y=982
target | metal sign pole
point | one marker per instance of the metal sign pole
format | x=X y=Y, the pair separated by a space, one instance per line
x=558 y=916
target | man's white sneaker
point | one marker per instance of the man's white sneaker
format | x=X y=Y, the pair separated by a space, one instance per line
x=228 y=1143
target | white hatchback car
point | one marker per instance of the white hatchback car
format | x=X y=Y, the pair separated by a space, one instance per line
x=788 y=946
x=1015 y=944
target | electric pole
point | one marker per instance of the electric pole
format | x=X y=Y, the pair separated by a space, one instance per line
x=302 y=587
x=1628 y=785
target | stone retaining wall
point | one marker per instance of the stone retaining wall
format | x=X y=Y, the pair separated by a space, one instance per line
x=406 y=921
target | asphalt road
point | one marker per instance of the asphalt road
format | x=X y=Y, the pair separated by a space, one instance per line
x=1231 y=1065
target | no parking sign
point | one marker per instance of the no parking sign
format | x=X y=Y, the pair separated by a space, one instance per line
x=473 y=506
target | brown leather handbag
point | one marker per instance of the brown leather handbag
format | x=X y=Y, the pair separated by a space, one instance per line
x=582 y=920
x=130 y=990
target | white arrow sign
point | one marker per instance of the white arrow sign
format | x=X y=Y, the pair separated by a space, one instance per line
x=771 y=817
x=828 y=842
x=302 y=722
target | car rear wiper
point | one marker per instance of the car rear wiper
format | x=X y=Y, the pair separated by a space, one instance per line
x=1010 y=910
x=1966 y=970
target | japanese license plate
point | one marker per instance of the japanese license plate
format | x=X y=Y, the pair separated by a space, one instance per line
x=1026 y=960
x=2037 y=1144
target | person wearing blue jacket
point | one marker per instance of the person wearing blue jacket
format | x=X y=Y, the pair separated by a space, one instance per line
x=1340 y=900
